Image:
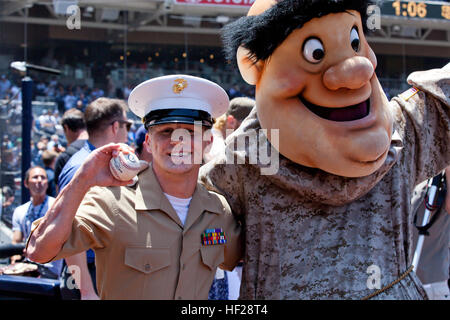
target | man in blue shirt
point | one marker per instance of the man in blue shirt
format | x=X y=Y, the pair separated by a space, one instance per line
x=106 y=122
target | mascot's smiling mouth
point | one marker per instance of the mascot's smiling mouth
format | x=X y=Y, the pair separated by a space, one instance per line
x=351 y=113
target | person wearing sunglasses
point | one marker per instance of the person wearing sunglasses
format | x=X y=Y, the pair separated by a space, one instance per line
x=106 y=122
x=126 y=123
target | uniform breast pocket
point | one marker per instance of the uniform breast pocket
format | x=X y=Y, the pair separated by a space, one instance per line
x=211 y=257
x=152 y=266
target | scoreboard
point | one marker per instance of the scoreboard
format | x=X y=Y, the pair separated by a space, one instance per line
x=417 y=9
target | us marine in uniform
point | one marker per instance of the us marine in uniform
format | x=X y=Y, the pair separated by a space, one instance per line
x=163 y=237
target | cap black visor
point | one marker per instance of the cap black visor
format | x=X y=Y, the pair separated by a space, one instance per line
x=187 y=116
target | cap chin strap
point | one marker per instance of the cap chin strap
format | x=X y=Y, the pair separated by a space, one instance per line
x=187 y=116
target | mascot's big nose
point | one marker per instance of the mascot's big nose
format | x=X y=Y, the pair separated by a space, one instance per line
x=351 y=73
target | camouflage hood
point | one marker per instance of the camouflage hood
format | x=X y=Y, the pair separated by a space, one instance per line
x=310 y=184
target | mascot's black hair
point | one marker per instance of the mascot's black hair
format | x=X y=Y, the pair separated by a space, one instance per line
x=263 y=33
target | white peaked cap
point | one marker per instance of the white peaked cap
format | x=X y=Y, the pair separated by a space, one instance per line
x=178 y=91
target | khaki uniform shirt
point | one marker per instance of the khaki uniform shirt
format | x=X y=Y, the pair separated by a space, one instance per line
x=143 y=251
x=313 y=235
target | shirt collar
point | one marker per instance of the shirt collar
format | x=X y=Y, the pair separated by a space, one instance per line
x=90 y=146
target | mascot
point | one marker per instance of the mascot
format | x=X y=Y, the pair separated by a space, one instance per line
x=334 y=221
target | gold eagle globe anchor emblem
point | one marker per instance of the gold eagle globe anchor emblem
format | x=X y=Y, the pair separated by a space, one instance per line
x=179 y=86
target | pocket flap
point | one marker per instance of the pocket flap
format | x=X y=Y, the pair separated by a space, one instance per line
x=147 y=260
x=212 y=255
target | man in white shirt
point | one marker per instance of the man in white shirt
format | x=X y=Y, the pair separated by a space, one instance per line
x=48 y=121
x=36 y=181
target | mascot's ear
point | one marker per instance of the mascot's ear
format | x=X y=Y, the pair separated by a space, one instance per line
x=250 y=71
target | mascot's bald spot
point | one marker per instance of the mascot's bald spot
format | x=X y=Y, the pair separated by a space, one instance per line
x=315 y=82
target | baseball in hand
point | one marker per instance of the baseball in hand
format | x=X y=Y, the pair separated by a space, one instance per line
x=124 y=167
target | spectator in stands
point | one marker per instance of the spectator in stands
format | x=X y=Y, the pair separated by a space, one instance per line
x=127 y=90
x=82 y=102
x=77 y=91
x=70 y=100
x=132 y=134
x=15 y=93
x=41 y=88
x=7 y=143
x=59 y=99
x=53 y=143
x=9 y=161
x=6 y=205
x=238 y=110
x=15 y=120
x=111 y=88
x=53 y=82
x=50 y=90
x=24 y=215
x=106 y=122
x=49 y=159
x=5 y=85
x=141 y=150
x=76 y=135
x=97 y=93
x=48 y=122
x=37 y=151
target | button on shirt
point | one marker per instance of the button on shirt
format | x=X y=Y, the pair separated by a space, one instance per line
x=143 y=250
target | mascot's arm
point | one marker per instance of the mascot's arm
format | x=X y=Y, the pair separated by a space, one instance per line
x=423 y=121
x=219 y=177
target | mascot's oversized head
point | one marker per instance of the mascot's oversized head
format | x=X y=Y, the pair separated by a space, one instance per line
x=315 y=81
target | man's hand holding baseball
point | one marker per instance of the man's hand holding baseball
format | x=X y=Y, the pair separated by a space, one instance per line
x=95 y=170
x=54 y=229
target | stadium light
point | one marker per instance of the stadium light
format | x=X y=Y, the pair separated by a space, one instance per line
x=19 y=65
x=22 y=66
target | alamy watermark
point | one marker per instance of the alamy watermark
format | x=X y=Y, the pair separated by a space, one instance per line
x=373 y=17
x=74 y=279
x=374 y=279
x=73 y=21
x=251 y=147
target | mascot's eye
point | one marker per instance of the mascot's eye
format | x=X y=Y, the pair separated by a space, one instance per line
x=313 y=50
x=354 y=39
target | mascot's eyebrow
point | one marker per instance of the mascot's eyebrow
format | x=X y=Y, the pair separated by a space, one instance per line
x=346 y=11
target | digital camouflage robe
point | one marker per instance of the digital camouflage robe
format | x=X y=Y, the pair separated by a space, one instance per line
x=313 y=235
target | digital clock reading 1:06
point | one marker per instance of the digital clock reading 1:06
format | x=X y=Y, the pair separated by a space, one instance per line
x=416 y=9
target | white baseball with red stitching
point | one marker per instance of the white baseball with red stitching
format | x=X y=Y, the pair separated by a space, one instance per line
x=124 y=167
